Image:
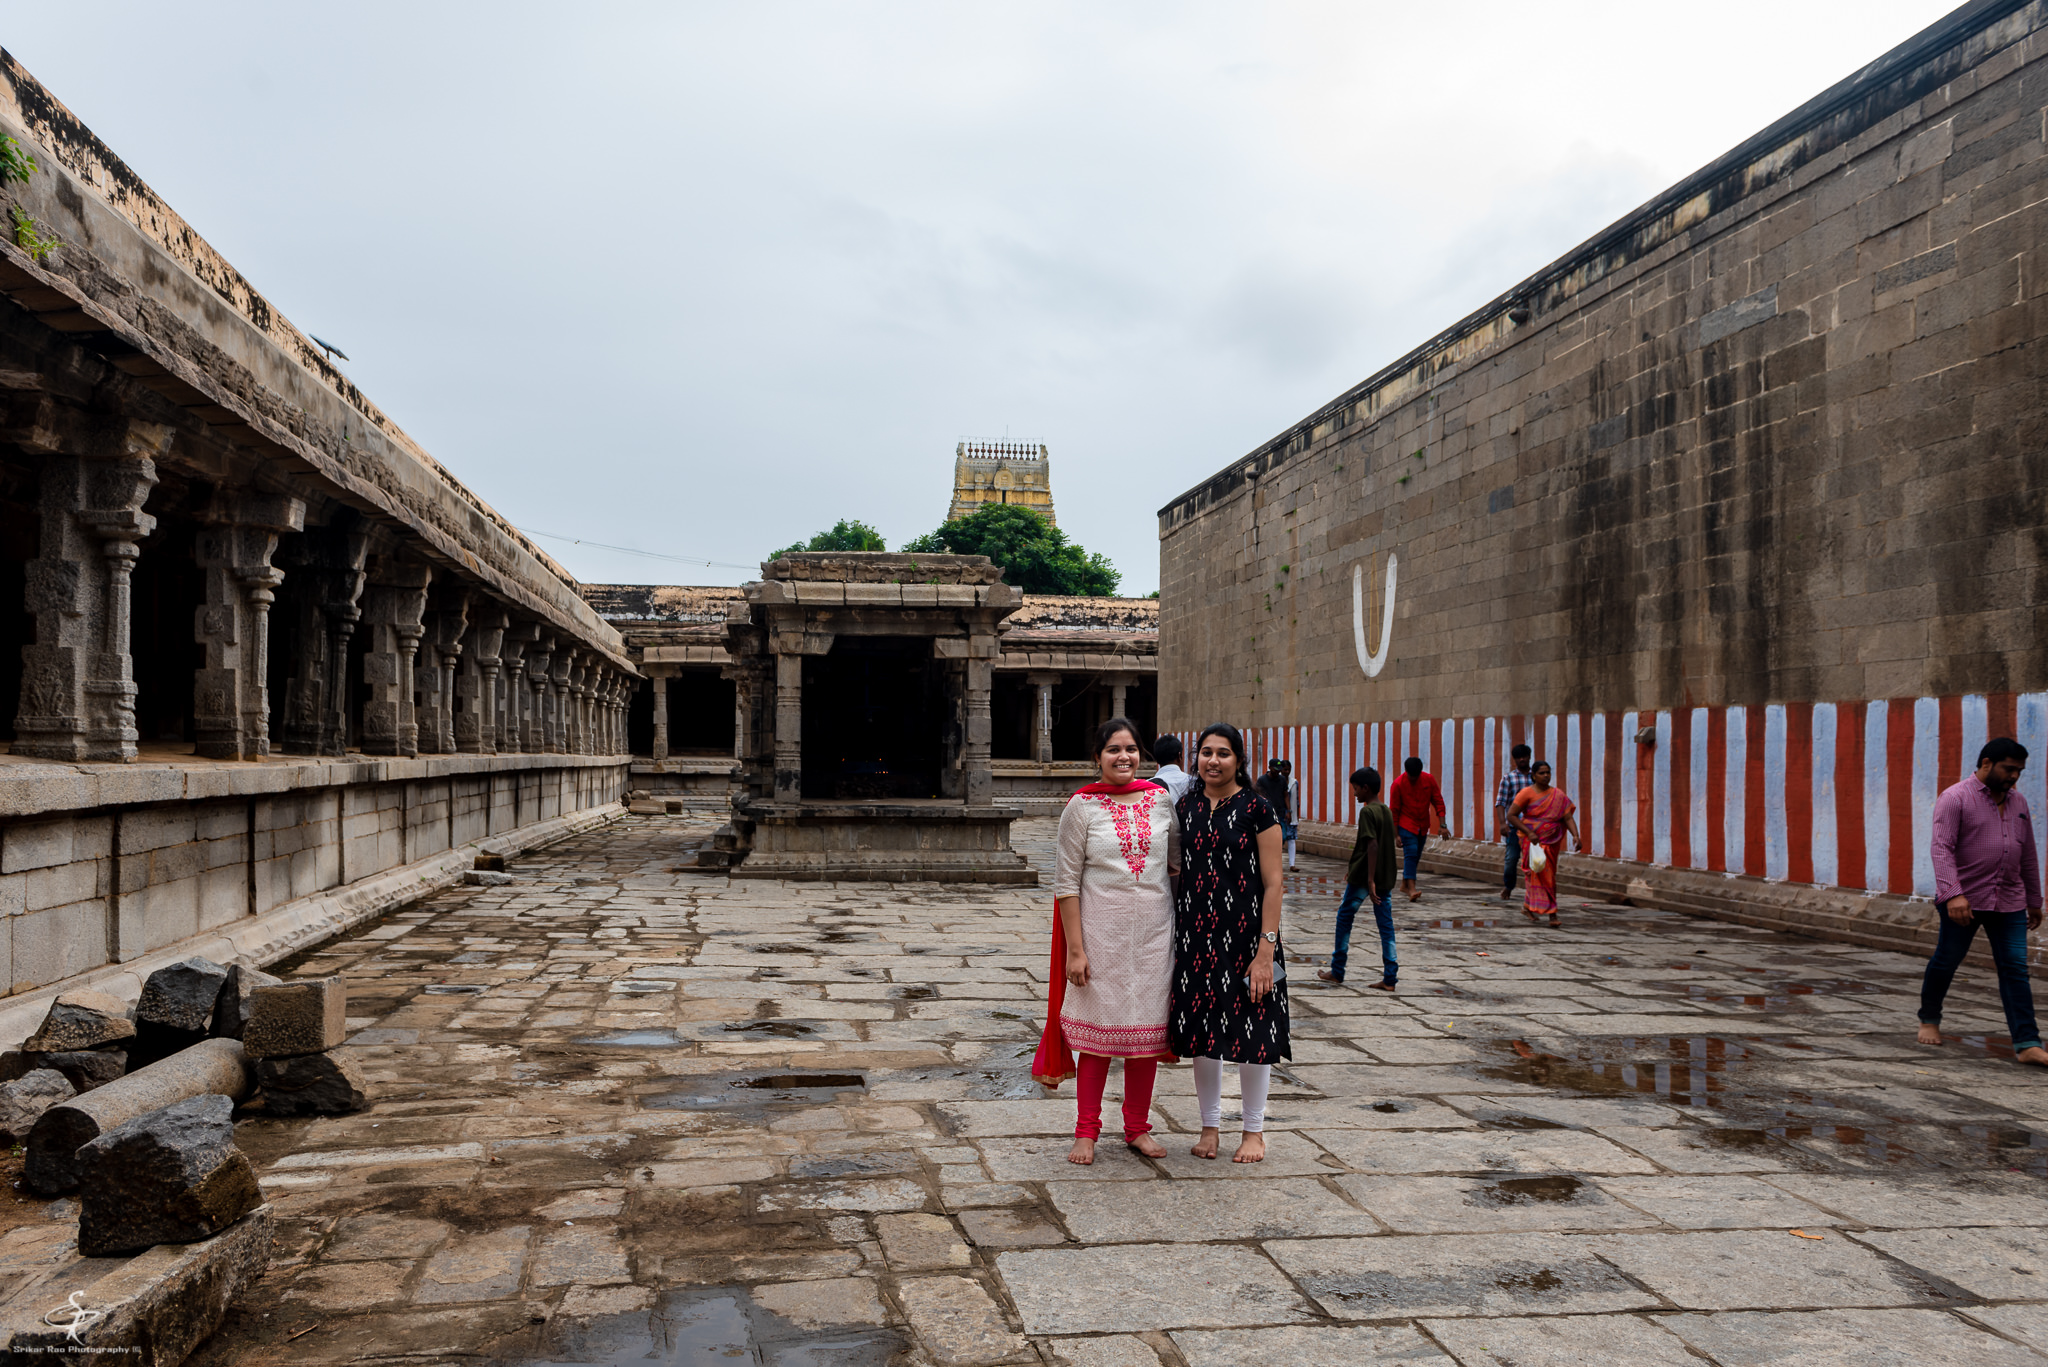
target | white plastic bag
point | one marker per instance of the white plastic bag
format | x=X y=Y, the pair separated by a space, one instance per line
x=1537 y=859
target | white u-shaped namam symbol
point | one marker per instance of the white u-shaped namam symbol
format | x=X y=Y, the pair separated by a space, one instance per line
x=1374 y=662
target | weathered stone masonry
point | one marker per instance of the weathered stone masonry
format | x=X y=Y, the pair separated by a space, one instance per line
x=221 y=551
x=1739 y=512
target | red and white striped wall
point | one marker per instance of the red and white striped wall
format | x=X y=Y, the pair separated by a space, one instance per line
x=1833 y=793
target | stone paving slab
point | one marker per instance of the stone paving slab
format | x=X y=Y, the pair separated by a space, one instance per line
x=1354 y=1347
x=1490 y=1274
x=1122 y=1212
x=1768 y=1268
x=620 y=1111
x=1847 y=1338
x=1163 y=1286
x=1563 y=1341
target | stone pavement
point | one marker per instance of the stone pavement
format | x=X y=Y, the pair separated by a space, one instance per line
x=629 y=1114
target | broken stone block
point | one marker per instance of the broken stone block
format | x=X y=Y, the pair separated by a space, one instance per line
x=171 y=1176
x=84 y=1069
x=177 y=1002
x=312 y=1084
x=23 y=1101
x=484 y=878
x=490 y=863
x=52 y=1166
x=81 y=1019
x=181 y=995
x=231 y=1011
x=673 y=806
x=307 y=1017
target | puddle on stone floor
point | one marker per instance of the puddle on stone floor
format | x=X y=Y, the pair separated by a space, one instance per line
x=716 y=1092
x=1476 y=923
x=642 y=1039
x=778 y=1028
x=783 y=1082
x=914 y=994
x=1523 y=1191
x=703 y=1325
x=451 y=989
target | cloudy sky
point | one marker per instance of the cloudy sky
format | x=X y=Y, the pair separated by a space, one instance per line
x=700 y=279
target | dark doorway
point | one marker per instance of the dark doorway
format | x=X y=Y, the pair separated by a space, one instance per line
x=162 y=633
x=701 y=716
x=640 y=717
x=1013 y=717
x=874 y=718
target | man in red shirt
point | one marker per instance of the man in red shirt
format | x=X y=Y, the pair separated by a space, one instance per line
x=1413 y=797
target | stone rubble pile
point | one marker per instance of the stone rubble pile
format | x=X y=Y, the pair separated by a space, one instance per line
x=294 y=1034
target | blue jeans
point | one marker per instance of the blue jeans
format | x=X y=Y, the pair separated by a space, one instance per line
x=1411 y=851
x=2006 y=931
x=1511 y=866
x=1382 y=912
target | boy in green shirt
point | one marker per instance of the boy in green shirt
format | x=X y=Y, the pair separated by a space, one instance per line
x=1371 y=875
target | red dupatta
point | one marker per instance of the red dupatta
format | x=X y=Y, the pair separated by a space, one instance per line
x=1054 y=1062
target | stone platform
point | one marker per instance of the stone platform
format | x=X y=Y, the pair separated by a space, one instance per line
x=623 y=1111
x=884 y=842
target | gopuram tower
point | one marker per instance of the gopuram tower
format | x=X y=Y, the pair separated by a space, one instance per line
x=1001 y=472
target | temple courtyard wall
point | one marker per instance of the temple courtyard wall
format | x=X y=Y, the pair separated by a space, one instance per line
x=1737 y=513
x=267 y=669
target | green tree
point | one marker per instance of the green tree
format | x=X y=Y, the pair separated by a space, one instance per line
x=1035 y=555
x=846 y=535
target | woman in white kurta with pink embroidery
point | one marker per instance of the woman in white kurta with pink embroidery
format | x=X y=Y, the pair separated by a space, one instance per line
x=1117 y=842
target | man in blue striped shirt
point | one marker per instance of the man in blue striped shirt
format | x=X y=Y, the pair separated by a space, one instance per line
x=1511 y=783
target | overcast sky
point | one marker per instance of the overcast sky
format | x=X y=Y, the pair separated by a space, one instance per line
x=701 y=279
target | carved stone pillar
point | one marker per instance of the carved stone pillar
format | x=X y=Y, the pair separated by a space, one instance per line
x=447 y=619
x=539 y=670
x=77 y=685
x=476 y=691
x=575 y=695
x=1041 y=749
x=980 y=786
x=517 y=692
x=326 y=566
x=659 y=683
x=397 y=604
x=558 y=701
x=789 y=727
x=230 y=692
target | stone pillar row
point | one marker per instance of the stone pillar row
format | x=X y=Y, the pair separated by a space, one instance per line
x=446 y=669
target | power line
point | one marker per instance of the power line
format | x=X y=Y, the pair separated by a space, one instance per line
x=628 y=550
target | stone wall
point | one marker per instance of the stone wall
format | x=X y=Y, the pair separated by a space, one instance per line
x=107 y=873
x=1739 y=512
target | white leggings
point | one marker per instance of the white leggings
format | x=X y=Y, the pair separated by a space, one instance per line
x=1254 y=1080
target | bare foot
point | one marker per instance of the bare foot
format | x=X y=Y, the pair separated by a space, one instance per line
x=1506 y=893
x=1929 y=1034
x=1325 y=975
x=1250 y=1149
x=1083 y=1152
x=1415 y=897
x=1205 y=1147
x=1148 y=1146
x=2036 y=1056
x=1383 y=986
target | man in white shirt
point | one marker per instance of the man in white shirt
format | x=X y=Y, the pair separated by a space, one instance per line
x=1166 y=752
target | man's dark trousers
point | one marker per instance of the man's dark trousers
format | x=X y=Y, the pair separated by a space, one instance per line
x=2007 y=933
x=1383 y=914
x=1511 y=867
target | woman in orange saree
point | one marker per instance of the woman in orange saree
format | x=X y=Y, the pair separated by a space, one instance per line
x=1544 y=816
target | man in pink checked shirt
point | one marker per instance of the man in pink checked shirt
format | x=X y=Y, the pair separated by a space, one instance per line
x=1987 y=873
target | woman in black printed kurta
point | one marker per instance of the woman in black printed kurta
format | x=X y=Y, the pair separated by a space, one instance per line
x=1229 y=979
